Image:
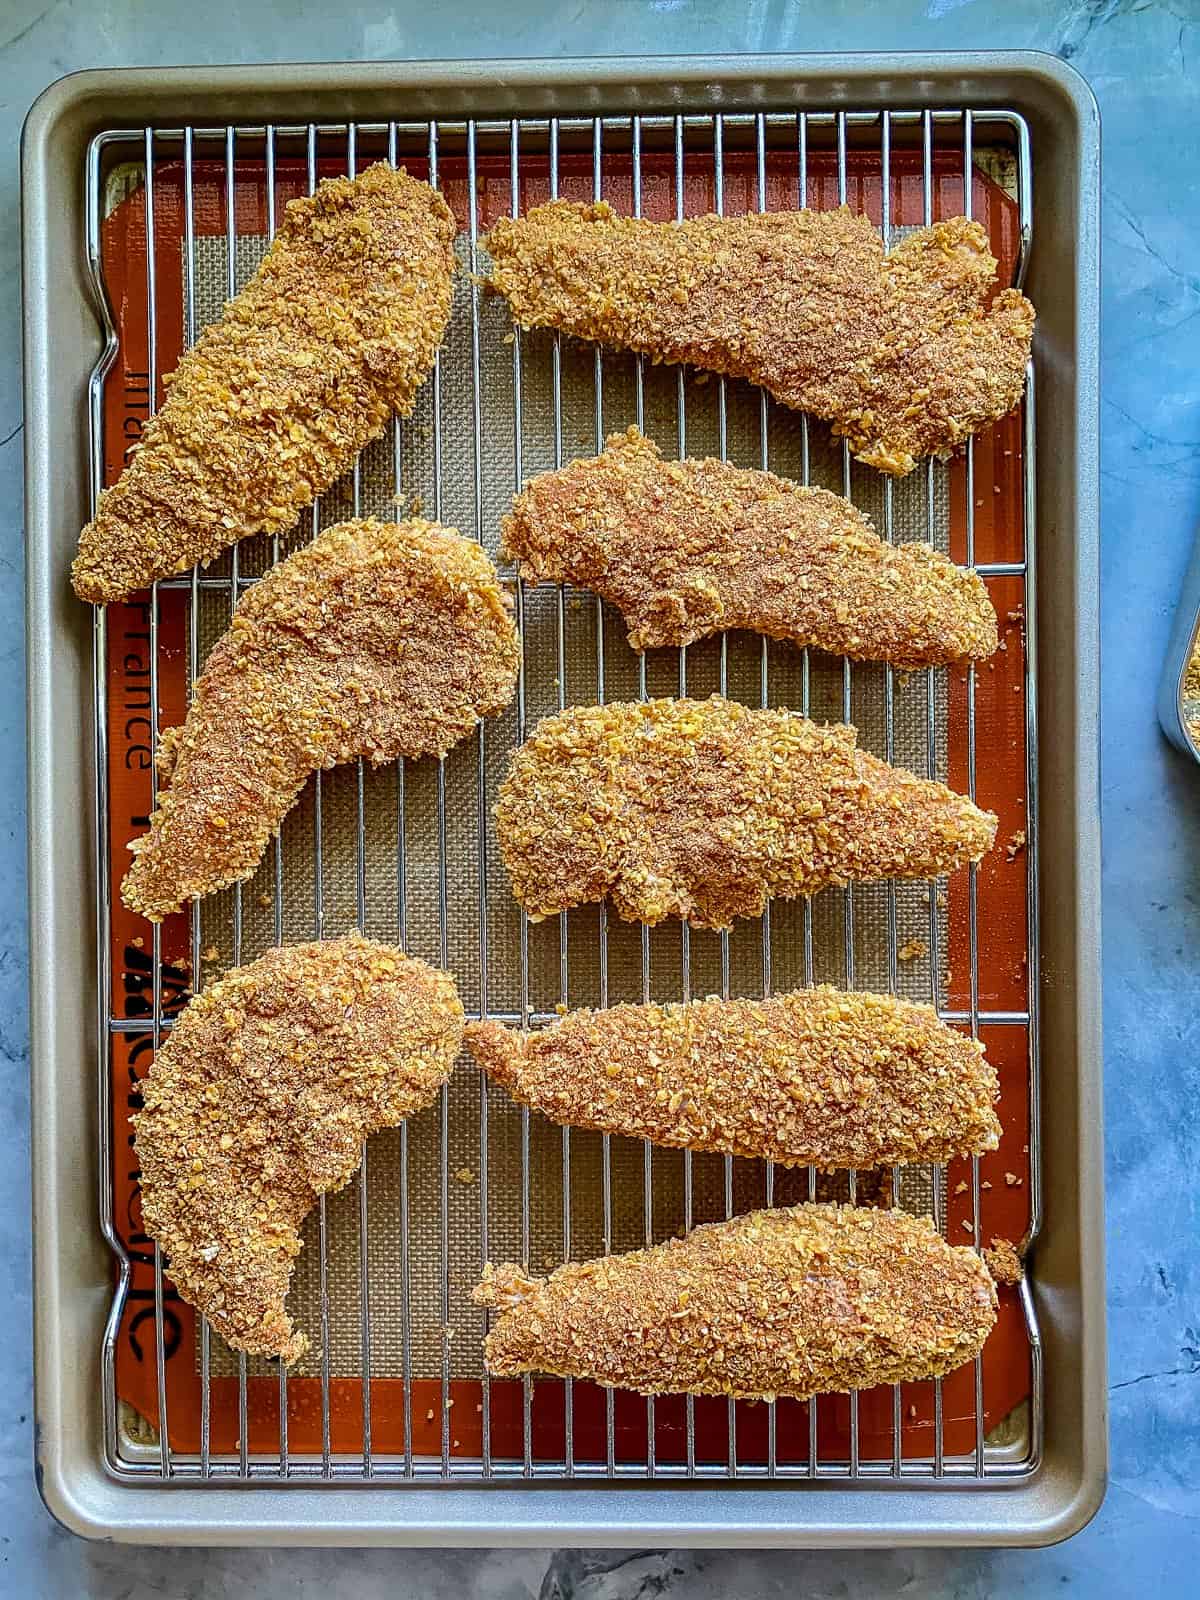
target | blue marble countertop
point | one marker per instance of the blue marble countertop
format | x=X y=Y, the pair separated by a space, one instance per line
x=1136 y=55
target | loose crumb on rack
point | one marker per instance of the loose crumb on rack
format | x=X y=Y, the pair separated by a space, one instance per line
x=464 y=1175
x=1003 y=1262
x=1015 y=845
x=1012 y=1180
x=912 y=950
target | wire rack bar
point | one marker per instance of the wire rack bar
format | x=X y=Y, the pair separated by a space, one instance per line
x=514 y=162
x=493 y=131
x=639 y=396
x=564 y=978
x=602 y=953
x=541 y=1019
x=466 y=1470
x=889 y=734
x=481 y=751
x=985 y=569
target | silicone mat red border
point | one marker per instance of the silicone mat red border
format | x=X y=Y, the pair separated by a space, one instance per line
x=1003 y=974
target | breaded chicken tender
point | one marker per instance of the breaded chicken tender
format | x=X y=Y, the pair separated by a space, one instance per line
x=379 y=639
x=333 y=335
x=260 y=1100
x=686 y=548
x=899 y=351
x=814 y=1299
x=704 y=809
x=813 y=1078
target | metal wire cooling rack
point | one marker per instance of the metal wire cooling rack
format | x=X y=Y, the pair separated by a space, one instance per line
x=177 y=219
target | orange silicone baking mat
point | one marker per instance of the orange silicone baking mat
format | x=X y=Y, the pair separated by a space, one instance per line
x=408 y=1413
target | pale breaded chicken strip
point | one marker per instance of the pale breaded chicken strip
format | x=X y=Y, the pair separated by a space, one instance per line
x=814 y=1299
x=379 y=639
x=686 y=548
x=704 y=809
x=260 y=1100
x=331 y=338
x=813 y=1078
x=899 y=350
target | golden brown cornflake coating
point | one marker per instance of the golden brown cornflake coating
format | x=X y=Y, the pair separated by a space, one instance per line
x=816 y=1077
x=811 y=1300
x=260 y=1100
x=704 y=809
x=332 y=336
x=895 y=349
x=379 y=639
x=1004 y=1262
x=686 y=548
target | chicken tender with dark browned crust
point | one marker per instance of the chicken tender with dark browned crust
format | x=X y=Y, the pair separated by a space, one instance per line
x=813 y=1078
x=686 y=548
x=379 y=639
x=331 y=338
x=704 y=809
x=811 y=1300
x=260 y=1100
x=898 y=350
